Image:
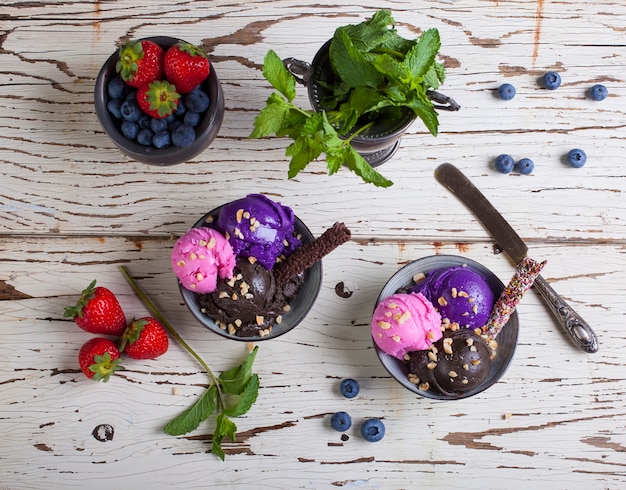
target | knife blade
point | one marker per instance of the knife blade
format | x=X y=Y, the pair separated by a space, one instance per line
x=507 y=238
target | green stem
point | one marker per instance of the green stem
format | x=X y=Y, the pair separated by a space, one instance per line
x=159 y=316
x=362 y=129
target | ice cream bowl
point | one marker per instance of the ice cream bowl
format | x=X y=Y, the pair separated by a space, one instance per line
x=507 y=338
x=206 y=130
x=299 y=306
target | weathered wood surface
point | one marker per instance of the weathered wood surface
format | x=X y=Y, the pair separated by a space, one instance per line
x=73 y=208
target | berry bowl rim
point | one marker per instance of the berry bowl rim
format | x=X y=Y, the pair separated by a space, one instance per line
x=206 y=131
x=300 y=306
x=507 y=338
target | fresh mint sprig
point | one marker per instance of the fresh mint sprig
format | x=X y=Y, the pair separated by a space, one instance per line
x=231 y=394
x=377 y=72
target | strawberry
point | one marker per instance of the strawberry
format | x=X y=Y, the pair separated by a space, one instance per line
x=99 y=358
x=158 y=99
x=140 y=62
x=186 y=66
x=145 y=338
x=98 y=311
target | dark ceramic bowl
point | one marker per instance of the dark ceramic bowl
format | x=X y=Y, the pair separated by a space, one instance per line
x=507 y=338
x=300 y=305
x=206 y=131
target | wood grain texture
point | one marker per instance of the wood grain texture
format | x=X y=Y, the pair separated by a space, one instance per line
x=73 y=208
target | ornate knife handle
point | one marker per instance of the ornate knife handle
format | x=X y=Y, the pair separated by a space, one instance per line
x=573 y=324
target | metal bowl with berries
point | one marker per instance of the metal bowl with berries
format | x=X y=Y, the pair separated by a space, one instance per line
x=159 y=100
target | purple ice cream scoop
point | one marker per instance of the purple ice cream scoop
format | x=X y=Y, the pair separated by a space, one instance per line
x=258 y=227
x=460 y=294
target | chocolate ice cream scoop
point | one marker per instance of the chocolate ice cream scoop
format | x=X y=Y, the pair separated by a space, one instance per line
x=458 y=363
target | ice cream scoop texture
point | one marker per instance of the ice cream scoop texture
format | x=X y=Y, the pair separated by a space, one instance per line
x=199 y=257
x=405 y=322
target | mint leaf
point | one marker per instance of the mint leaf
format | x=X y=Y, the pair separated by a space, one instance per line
x=350 y=63
x=271 y=118
x=224 y=427
x=277 y=74
x=359 y=166
x=191 y=418
x=426 y=112
x=302 y=152
x=234 y=380
x=421 y=57
x=246 y=400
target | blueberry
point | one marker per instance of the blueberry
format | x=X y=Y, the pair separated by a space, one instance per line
x=192 y=118
x=525 y=166
x=183 y=135
x=598 y=92
x=552 y=80
x=197 y=101
x=576 y=158
x=144 y=137
x=130 y=110
x=341 y=421
x=506 y=91
x=504 y=163
x=132 y=95
x=174 y=126
x=144 y=121
x=157 y=124
x=113 y=106
x=373 y=430
x=161 y=139
x=180 y=108
x=349 y=388
x=116 y=88
x=129 y=129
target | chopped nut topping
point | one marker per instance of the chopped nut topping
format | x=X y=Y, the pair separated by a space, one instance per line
x=396 y=338
x=211 y=243
x=279 y=319
x=199 y=276
x=466 y=367
x=469 y=341
x=239 y=216
x=473 y=348
x=193 y=256
x=442 y=301
x=430 y=335
x=463 y=294
x=475 y=309
x=465 y=313
x=252 y=260
x=413 y=378
x=286 y=308
x=431 y=365
x=384 y=325
x=432 y=356
x=452 y=374
x=238 y=322
x=453 y=292
x=248 y=295
x=423 y=386
x=231 y=329
x=246 y=215
x=180 y=263
x=202 y=256
x=239 y=277
x=418 y=277
x=392 y=306
x=404 y=317
x=259 y=320
x=192 y=286
x=407 y=357
x=202 y=243
x=465 y=381
x=475 y=362
x=388 y=314
x=231 y=282
x=234 y=297
x=470 y=300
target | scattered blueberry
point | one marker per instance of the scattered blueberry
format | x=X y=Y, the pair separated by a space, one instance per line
x=113 y=106
x=129 y=129
x=504 y=163
x=144 y=121
x=183 y=135
x=161 y=139
x=525 y=166
x=174 y=126
x=144 y=137
x=506 y=91
x=157 y=124
x=341 y=421
x=373 y=430
x=576 y=158
x=132 y=95
x=130 y=110
x=116 y=88
x=192 y=118
x=196 y=101
x=598 y=92
x=552 y=80
x=349 y=388
x=180 y=108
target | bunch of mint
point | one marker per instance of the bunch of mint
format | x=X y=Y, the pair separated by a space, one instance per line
x=377 y=70
x=232 y=393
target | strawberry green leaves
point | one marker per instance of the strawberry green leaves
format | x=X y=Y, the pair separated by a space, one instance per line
x=377 y=73
x=232 y=394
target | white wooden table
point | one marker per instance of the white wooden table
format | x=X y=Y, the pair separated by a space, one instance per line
x=73 y=208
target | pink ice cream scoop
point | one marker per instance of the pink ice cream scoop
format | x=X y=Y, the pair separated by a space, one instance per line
x=405 y=322
x=199 y=256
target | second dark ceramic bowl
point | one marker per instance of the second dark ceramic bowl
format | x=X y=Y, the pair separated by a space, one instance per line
x=206 y=131
x=299 y=306
x=507 y=338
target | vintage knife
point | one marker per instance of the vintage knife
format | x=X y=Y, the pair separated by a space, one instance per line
x=456 y=182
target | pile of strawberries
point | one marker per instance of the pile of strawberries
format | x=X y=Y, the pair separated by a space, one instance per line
x=160 y=76
x=98 y=311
